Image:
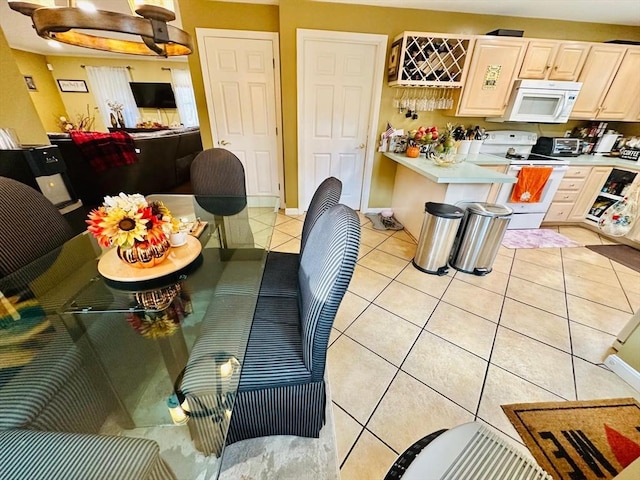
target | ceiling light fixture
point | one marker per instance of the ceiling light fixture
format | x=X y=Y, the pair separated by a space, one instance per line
x=150 y=24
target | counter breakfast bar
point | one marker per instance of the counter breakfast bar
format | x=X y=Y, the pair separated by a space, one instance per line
x=419 y=180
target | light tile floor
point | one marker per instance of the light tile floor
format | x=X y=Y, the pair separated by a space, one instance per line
x=412 y=353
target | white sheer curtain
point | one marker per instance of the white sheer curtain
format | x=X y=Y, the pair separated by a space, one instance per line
x=111 y=84
x=185 y=99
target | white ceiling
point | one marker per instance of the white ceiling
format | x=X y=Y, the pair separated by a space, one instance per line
x=20 y=34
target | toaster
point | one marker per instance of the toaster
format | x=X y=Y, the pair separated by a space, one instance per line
x=558 y=147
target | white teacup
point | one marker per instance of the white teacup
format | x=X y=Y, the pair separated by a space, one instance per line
x=177 y=239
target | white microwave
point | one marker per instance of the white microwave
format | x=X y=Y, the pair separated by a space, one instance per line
x=540 y=101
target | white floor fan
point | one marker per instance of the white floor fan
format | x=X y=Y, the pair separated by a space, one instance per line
x=619 y=218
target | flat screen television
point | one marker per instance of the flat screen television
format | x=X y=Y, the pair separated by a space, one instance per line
x=153 y=95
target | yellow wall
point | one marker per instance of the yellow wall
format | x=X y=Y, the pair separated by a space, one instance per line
x=16 y=108
x=47 y=97
x=221 y=15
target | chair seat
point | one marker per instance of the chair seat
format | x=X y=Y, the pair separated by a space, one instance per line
x=280 y=278
x=274 y=355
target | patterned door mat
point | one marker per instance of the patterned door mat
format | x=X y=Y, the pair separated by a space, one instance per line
x=584 y=440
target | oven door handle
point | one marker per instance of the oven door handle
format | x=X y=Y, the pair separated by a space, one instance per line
x=556 y=168
x=561 y=104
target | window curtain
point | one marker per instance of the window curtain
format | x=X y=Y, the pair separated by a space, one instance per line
x=109 y=85
x=185 y=99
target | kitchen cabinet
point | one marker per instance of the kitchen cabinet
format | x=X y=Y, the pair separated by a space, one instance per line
x=597 y=75
x=590 y=190
x=623 y=96
x=493 y=192
x=428 y=59
x=495 y=63
x=567 y=194
x=553 y=60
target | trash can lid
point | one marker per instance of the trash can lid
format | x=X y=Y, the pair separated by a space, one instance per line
x=443 y=210
x=488 y=209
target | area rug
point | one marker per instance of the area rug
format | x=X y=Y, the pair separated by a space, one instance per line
x=585 y=440
x=623 y=254
x=536 y=238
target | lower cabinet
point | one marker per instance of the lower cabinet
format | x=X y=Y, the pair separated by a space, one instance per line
x=590 y=190
x=493 y=193
x=568 y=193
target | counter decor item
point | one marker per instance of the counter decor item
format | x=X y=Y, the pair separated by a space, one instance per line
x=443 y=152
x=116 y=118
x=139 y=230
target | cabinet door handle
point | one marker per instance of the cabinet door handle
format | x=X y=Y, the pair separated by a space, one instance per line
x=556 y=67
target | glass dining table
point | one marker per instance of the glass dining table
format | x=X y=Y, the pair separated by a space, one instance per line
x=144 y=328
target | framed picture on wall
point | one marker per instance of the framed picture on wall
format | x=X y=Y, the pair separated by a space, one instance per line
x=31 y=85
x=73 y=86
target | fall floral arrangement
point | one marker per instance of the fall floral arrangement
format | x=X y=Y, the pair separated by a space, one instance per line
x=139 y=229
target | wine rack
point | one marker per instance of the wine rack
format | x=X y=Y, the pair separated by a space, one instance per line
x=428 y=59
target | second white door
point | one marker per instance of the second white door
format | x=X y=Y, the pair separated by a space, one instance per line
x=337 y=87
x=243 y=100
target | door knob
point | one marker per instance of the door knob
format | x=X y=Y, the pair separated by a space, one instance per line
x=224 y=142
x=361 y=146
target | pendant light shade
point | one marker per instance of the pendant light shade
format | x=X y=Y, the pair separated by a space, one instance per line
x=151 y=34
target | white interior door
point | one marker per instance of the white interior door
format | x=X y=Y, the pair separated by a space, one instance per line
x=242 y=86
x=339 y=84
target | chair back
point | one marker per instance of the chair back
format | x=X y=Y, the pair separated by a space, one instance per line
x=219 y=172
x=326 y=196
x=30 y=226
x=326 y=268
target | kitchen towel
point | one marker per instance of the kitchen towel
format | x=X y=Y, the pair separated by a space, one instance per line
x=530 y=184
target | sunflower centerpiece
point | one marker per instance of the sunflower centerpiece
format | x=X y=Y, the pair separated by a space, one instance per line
x=139 y=229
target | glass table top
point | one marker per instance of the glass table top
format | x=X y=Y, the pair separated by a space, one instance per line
x=141 y=335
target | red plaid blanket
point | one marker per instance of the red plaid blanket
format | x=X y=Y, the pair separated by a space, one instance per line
x=105 y=150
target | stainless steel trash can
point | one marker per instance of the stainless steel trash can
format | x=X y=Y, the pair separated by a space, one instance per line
x=479 y=237
x=439 y=227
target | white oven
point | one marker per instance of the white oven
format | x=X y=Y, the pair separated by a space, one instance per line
x=530 y=215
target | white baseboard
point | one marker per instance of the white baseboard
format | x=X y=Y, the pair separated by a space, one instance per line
x=295 y=211
x=625 y=371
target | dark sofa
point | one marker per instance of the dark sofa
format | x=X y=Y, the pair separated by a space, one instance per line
x=164 y=161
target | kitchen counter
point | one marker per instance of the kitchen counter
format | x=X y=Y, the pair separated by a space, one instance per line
x=604 y=161
x=468 y=171
x=419 y=180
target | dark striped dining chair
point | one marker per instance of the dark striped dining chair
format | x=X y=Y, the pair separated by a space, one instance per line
x=219 y=187
x=281 y=270
x=282 y=387
x=30 y=226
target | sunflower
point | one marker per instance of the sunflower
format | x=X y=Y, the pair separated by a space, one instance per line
x=117 y=227
x=124 y=220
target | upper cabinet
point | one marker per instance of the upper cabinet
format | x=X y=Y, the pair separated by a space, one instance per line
x=623 y=97
x=428 y=59
x=597 y=75
x=553 y=60
x=495 y=63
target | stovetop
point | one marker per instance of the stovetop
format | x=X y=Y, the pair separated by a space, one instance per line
x=516 y=146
